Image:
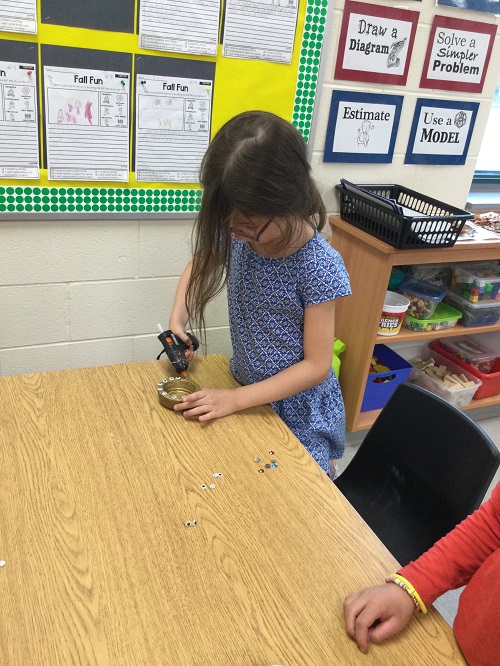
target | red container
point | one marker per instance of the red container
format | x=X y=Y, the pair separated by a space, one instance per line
x=491 y=381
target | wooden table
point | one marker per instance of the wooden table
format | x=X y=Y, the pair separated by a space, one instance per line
x=97 y=481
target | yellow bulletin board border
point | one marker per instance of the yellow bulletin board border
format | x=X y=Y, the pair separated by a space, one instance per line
x=264 y=85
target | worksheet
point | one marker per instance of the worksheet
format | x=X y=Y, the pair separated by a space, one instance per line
x=172 y=127
x=18 y=16
x=260 y=29
x=19 y=154
x=87 y=124
x=190 y=26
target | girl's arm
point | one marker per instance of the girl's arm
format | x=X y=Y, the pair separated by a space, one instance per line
x=455 y=558
x=179 y=315
x=319 y=326
x=449 y=564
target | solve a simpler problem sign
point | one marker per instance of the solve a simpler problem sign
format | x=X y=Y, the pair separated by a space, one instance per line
x=458 y=54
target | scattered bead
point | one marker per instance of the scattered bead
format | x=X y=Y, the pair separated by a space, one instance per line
x=273 y=461
x=274 y=464
x=203 y=486
x=267 y=466
x=256 y=459
x=271 y=453
x=212 y=486
x=261 y=471
x=2 y=563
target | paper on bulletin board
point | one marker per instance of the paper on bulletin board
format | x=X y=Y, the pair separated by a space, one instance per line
x=188 y=27
x=19 y=157
x=18 y=16
x=256 y=30
x=87 y=124
x=172 y=127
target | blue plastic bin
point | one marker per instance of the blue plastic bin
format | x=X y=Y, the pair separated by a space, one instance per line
x=376 y=395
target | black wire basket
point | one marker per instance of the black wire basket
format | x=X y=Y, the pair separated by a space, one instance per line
x=401 y=217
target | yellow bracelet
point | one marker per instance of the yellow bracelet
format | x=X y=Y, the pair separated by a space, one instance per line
x=408 y=587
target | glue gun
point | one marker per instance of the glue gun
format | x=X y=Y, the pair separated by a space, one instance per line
x=176 y=349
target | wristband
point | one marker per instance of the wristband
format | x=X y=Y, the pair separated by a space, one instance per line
x=408 y=587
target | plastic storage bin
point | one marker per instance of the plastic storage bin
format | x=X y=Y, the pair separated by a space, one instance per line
x=477 y=282
x=475 y=314
x=460 y=397
x=471 y=352
x=422 y=223
x=490 y=382
x=445 y=316
x=378 y=392
x=423 y=297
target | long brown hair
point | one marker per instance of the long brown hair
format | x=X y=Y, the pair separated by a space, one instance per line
x=256 y=164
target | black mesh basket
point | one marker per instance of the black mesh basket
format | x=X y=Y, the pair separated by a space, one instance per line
x=429 y=223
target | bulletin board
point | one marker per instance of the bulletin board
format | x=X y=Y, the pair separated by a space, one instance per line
x=104 y=35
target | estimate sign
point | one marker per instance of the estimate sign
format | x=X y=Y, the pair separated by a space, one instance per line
x=458 y=54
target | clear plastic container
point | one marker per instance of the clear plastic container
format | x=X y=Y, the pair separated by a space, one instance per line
x=439 y=274
x=423 y=297
x=459 y=396
x=477 y=282
x=475 y=314
x=470 y=351
x=445 y=316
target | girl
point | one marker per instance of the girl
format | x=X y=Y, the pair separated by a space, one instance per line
x=257 y=232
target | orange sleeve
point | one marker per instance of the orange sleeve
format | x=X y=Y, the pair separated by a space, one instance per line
x=454 y=559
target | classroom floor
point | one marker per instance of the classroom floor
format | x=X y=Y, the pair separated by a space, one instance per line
x=447 y=604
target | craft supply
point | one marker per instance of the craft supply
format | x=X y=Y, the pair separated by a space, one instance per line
x=395 y=306
x=172 y=390
x=423 y=296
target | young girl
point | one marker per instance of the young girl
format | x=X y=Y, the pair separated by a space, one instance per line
x=257 y=231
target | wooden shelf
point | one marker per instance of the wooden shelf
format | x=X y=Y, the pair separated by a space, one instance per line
x=405 y=335
x=369 y=262
x=366 y=419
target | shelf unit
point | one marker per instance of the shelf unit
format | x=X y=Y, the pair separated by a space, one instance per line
x=369 y=262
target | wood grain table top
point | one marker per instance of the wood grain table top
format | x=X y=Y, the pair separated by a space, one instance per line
x=97 y=482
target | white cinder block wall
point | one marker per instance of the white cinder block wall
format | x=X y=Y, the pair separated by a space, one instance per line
x=82 y=293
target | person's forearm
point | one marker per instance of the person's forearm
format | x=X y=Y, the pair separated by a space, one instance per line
x=454 y=559
x=179 y=314
x=295 y=379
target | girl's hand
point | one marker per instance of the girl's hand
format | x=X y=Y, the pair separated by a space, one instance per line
x=180 y=332
x=208 y=404
x=388 y=605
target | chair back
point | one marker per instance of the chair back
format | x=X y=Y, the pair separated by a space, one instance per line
x=422 y=462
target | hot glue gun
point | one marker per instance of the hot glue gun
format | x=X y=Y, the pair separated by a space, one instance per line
x=176 y=349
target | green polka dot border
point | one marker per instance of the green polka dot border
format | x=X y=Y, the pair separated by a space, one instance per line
x=98 y=200
x=310 y=54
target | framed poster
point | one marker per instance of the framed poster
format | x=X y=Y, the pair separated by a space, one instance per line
x=362 y=127
x=441 y=131
x=375 y=43
x=458 y=54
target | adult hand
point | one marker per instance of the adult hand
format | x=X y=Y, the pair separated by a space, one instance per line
x=388 y=605
x=208 y=404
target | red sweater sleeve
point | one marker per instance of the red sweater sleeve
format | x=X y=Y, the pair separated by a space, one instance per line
x=454 y=559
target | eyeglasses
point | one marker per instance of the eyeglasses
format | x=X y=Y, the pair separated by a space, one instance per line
x=257 y=236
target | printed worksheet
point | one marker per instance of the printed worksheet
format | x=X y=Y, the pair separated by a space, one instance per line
x=172 y=127
x=18 y=16
x=19 y=153
x=260 y=29
x=190 y=26
x=87 y=124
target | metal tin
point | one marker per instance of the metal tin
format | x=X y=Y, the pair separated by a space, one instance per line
x=172 y=390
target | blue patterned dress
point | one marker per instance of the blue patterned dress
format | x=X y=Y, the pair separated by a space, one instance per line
x=267 y=297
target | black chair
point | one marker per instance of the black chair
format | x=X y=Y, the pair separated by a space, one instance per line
x=422 y=468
